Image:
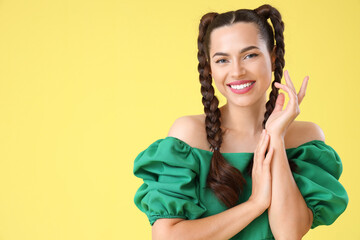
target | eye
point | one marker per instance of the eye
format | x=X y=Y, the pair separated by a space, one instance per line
x=220 y=60
x=252 y=54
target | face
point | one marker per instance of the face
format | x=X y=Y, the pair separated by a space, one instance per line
x=241 y=65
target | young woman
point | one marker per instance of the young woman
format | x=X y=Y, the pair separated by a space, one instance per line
x=245 y=170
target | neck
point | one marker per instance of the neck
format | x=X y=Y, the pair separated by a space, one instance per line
x=246 y=121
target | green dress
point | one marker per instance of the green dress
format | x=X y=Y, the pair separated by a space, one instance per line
x=175 y=173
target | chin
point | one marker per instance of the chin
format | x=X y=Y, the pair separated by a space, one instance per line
x=247 y=101
x=242 y=103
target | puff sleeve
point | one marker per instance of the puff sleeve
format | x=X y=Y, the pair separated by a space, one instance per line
x=170 y=173
x=319 y=169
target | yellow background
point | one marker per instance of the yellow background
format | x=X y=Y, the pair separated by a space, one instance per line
x=86 y=85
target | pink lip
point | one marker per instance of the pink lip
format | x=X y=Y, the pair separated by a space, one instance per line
x=244 y=90
x=240 y=82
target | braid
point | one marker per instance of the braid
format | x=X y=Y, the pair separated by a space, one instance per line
x=225 y=180
x=210 y=102
x=268 y=11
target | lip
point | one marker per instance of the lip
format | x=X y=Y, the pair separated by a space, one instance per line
x=244 y=90
x=238 y=82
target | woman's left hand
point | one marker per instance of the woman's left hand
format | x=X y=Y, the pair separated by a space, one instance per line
x=280 y=119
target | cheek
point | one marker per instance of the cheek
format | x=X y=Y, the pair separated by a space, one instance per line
x=265 y=71
x=219 y=85
x=218 y=80
x=268 y=82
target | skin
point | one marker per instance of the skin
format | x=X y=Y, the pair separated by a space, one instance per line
x=273 y=185
x=244 y=66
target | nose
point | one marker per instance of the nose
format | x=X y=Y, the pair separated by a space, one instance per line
x=237 y=70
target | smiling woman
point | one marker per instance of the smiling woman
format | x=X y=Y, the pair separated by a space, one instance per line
x=247 y=169
x=254 y=59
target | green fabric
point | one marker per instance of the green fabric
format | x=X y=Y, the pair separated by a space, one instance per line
x=175 y=175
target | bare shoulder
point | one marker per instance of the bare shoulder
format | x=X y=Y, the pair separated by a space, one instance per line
x=191 y=130
x=300 y=132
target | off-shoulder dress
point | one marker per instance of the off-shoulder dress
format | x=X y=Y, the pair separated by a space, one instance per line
x=174 y=175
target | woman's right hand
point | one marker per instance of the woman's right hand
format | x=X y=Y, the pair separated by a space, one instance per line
x=261 y=173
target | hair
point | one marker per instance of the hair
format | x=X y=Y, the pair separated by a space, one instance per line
x=225 y=180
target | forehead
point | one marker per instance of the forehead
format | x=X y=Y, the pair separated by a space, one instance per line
x=235 y=36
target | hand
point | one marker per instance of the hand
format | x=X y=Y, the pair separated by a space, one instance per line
x=261 y=174
x=280 y=119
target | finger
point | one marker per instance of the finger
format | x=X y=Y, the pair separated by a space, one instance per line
x=260 y=156
x=264 y=146
x=288 y=81
x=269 y=157
x=255 y=158
x=293 y=97
x=263 y=133
x=302 y=90
x=258 y=147
x=279 y=103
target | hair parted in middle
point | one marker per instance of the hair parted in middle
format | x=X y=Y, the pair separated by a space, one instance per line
x=225 y=180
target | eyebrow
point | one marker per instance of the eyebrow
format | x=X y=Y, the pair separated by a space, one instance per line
x=242 y=50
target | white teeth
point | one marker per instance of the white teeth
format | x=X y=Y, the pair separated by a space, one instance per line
x=241 y=86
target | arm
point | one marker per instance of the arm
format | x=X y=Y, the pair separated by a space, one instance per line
x=226 y=224
x=289 y=216
x=223 y=225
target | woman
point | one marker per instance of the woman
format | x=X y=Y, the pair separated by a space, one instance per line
x=245 y=170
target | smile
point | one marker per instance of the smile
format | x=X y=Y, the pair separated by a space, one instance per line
x=241 y=88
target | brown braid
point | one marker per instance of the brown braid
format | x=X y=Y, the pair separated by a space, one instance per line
x=267 y=11
x=225 y=180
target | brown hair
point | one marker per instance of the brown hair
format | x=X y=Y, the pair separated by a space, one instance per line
x=225 y=180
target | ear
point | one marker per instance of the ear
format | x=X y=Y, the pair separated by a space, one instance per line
x=273 y=57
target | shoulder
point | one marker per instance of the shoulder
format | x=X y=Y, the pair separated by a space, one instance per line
x=191 y=130
x=300 y=132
